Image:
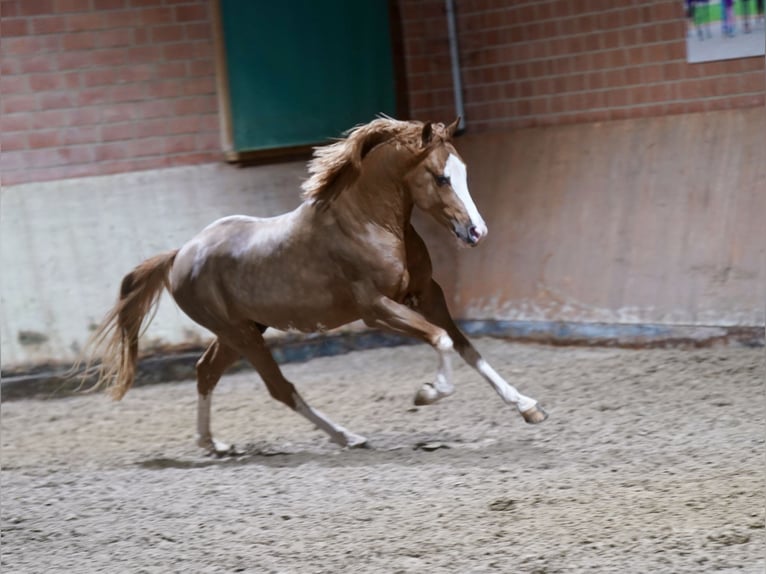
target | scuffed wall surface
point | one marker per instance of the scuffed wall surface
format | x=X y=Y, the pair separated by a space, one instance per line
x=66 y=245
x=658 y=220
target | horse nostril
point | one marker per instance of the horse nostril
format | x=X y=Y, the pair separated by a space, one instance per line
x=474 y=233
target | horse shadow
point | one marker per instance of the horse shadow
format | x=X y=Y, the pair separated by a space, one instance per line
x=382 y=449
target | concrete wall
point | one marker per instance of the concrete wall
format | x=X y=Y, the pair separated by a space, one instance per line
x=656 y=220
x=65 y=246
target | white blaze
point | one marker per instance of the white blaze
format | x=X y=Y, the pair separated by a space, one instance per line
x=455 y=170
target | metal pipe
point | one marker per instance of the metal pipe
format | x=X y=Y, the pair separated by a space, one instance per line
x=457 y=84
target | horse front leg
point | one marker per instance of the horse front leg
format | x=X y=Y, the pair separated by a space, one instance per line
x=434 y=307
x=387 y=314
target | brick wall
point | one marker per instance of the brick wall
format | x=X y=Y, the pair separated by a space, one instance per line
x=102 y=86
x=547 y=62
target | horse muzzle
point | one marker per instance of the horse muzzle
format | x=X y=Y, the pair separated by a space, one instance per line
x=471 y=233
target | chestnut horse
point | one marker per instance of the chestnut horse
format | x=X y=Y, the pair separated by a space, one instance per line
x=348 y=252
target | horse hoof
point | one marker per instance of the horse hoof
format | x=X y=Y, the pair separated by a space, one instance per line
x=224 y=451
x=218 y=449
x=535 y=415
x=353 y=441
x=428 y=394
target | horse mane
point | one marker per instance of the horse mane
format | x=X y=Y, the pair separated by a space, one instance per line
x=344 y=157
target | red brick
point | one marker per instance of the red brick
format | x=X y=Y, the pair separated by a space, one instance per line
x=35 y=7
x=191 y=13
x=169 y=33
x=128 y=93
x=115 y=37
x=151 y=128
x=74 y=60
x=56 y=100
x=147 y=146
x=101 y=77
x=155 y=16
x=116 y=132
x=108 y=4
x=15 y=104
x=112 y=151
x=179 y=51
x=195 y=105
x=85 y=21
x=84 y=116
x=205 y=85
x=29 y=45
x=14 y=85
x=9 y=8
x=672 y=71
x=137 y=72
x=212 y=141
x=155 y=108
x=53 y=81
x=10 y=141
x=170 y=88
x=140 y=36
x=121 y=18
x=73 y=5
x=51 y=138
x=144 y=54
x=110 y=57
x=15 y=122
x=81 y=135
x=49 y=25
x=177 y=69
x=121 y=112
x=209 y=123
x=78 y=41
x=93 y=96
x=201 y=31
x=75 y=154
x=180 y=143
x=10 y=27
x=752 y=82
x=202 y=50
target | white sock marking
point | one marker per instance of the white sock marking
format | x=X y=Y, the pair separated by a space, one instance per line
x=506 y=391
x=204 y=403
x=337 y=433
x=444 y=343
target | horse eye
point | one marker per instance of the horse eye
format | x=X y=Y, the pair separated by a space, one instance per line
x=442 y=180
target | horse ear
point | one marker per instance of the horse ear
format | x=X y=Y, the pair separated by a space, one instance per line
x=452 y=128
x=427 y=135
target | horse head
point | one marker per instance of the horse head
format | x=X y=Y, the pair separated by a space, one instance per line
x=438 y=184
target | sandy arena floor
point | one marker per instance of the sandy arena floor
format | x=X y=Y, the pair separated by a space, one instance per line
x=651 y=461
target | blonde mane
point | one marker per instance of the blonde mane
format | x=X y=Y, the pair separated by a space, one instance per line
x=345 y=156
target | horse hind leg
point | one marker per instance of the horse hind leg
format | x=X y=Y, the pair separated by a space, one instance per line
x=250 y=343
x=214 y=361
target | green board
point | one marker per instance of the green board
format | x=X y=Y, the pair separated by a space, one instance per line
x=303 y=71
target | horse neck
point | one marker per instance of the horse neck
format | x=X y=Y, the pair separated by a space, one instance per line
x=379 y=195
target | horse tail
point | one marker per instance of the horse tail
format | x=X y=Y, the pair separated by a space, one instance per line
x=116 y=338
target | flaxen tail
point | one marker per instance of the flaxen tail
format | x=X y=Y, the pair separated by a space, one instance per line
x=116 y=338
